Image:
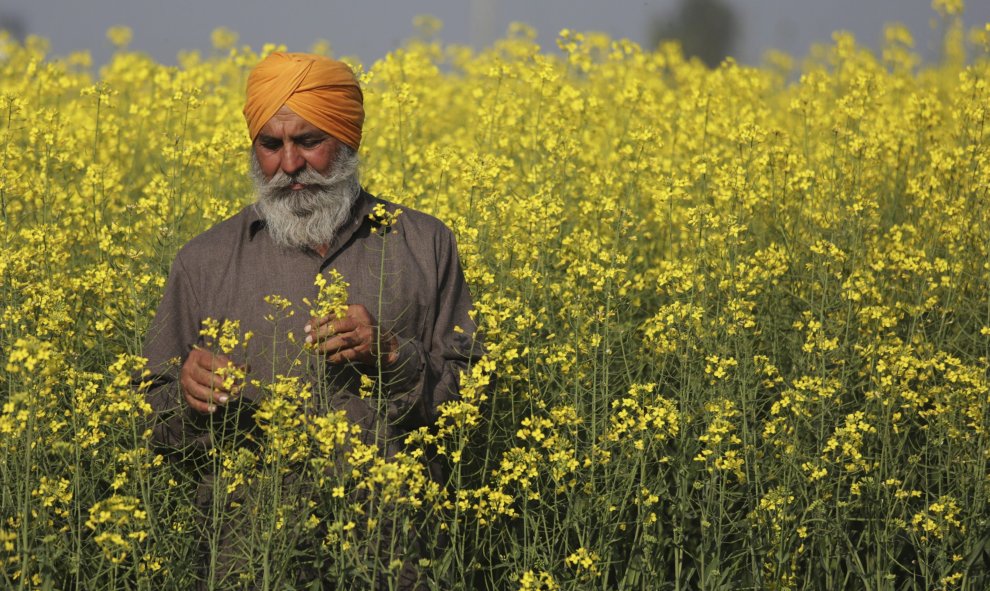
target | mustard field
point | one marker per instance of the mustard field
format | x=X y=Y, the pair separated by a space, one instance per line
x=737 y=323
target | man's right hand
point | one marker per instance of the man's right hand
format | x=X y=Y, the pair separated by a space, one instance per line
x=202 y=380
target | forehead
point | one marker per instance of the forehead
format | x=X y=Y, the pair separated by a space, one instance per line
x=285 y=121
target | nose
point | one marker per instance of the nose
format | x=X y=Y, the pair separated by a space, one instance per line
x=292 y=160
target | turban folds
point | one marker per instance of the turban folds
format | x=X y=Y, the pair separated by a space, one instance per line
x=321 y=90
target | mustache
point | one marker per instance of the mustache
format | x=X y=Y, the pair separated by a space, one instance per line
x=344 y=171
x=307 y=176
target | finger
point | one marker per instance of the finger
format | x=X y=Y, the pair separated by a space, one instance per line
x=316 y=323
x=355 y=315
x=360 y=313
x=358 y=354
x=197 y=404
x=202 y=380
x=201 y=358
x=344 y=356
x=337 y=343
x=362 y=337
x=218 y=365
x=212 y=361
x=208 y=379
x=200 y=397
x=346 y=324
x=210 y=389
x=329 y=330
x=206 y=385
x=322 y=320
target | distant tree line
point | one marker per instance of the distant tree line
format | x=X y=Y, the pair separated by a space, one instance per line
x=706 y=29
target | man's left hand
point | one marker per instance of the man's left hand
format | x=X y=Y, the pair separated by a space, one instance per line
x=351 y=339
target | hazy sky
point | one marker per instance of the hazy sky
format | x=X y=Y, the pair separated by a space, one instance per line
x=370 y=28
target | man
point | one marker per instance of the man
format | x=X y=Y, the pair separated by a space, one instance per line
x=407 y=321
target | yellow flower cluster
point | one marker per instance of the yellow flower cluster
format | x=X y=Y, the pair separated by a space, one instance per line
x=537 y=581
x=642 y=418
x=119 y=525
x=331 y=299
x=938 y=520
x=721 y=451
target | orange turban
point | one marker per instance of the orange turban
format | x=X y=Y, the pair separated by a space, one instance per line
x=318 y=89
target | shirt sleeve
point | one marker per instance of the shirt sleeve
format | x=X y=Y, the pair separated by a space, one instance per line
x=427 y=374
x=174 y=330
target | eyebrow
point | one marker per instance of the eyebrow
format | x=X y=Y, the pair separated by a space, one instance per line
x=309 y=135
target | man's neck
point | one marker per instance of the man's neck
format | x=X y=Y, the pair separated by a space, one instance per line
x=322 y=249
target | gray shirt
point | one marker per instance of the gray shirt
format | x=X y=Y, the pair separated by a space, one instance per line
x=407 y=275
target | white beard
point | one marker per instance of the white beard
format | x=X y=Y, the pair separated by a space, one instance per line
x=312 y=216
